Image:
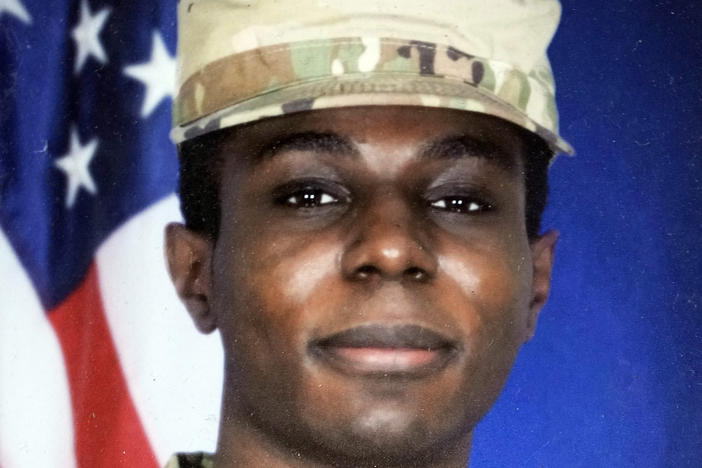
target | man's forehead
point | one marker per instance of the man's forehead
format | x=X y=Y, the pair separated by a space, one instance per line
x=426 y=133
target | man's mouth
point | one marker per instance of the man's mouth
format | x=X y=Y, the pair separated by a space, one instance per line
x=405 y=350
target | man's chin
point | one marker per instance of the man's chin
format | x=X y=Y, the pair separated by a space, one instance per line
x=391 y=437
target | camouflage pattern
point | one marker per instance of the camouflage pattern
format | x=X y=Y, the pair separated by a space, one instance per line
x=191 y=460
x=230 y=74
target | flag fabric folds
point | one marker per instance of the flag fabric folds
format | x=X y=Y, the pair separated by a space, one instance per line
x=99 y=365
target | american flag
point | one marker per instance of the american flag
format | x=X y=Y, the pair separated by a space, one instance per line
x=99 y=363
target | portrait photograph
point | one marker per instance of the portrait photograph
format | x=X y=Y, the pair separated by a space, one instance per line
x=350 y=233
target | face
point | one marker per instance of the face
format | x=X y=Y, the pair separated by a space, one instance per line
x=372 y=279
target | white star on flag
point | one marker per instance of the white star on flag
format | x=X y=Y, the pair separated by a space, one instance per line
x=157 y=74
x=14 y=7
x=75 y=166
x=86 y=35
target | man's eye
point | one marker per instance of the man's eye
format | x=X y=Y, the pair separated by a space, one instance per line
x=308 y=197
x=460 y=205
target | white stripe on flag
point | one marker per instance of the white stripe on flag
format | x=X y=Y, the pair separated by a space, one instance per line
x=174 y=373
x=36 y=421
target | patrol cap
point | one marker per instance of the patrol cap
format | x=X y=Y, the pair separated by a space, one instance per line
x=244 y=60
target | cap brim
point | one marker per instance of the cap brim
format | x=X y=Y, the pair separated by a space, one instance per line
x=367 y=90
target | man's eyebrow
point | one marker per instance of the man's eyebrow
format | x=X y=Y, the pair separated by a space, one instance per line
x=317 y=142
x=462 y=146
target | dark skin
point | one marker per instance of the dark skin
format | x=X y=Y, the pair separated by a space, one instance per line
x=372 y=281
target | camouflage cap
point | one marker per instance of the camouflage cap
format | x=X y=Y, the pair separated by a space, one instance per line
x=244 y=60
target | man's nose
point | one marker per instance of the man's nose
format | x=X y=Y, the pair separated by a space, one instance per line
x=389 y=240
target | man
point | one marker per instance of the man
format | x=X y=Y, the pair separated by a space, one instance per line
x=362 y=185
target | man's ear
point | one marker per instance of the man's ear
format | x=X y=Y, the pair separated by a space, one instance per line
x=189 y=258
x=542 y=253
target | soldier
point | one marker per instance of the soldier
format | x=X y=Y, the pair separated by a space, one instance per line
x=362 y=185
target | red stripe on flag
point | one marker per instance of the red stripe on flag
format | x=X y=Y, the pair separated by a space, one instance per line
x=108 y=431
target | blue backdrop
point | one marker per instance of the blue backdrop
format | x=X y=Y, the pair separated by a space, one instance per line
x=614 y=374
